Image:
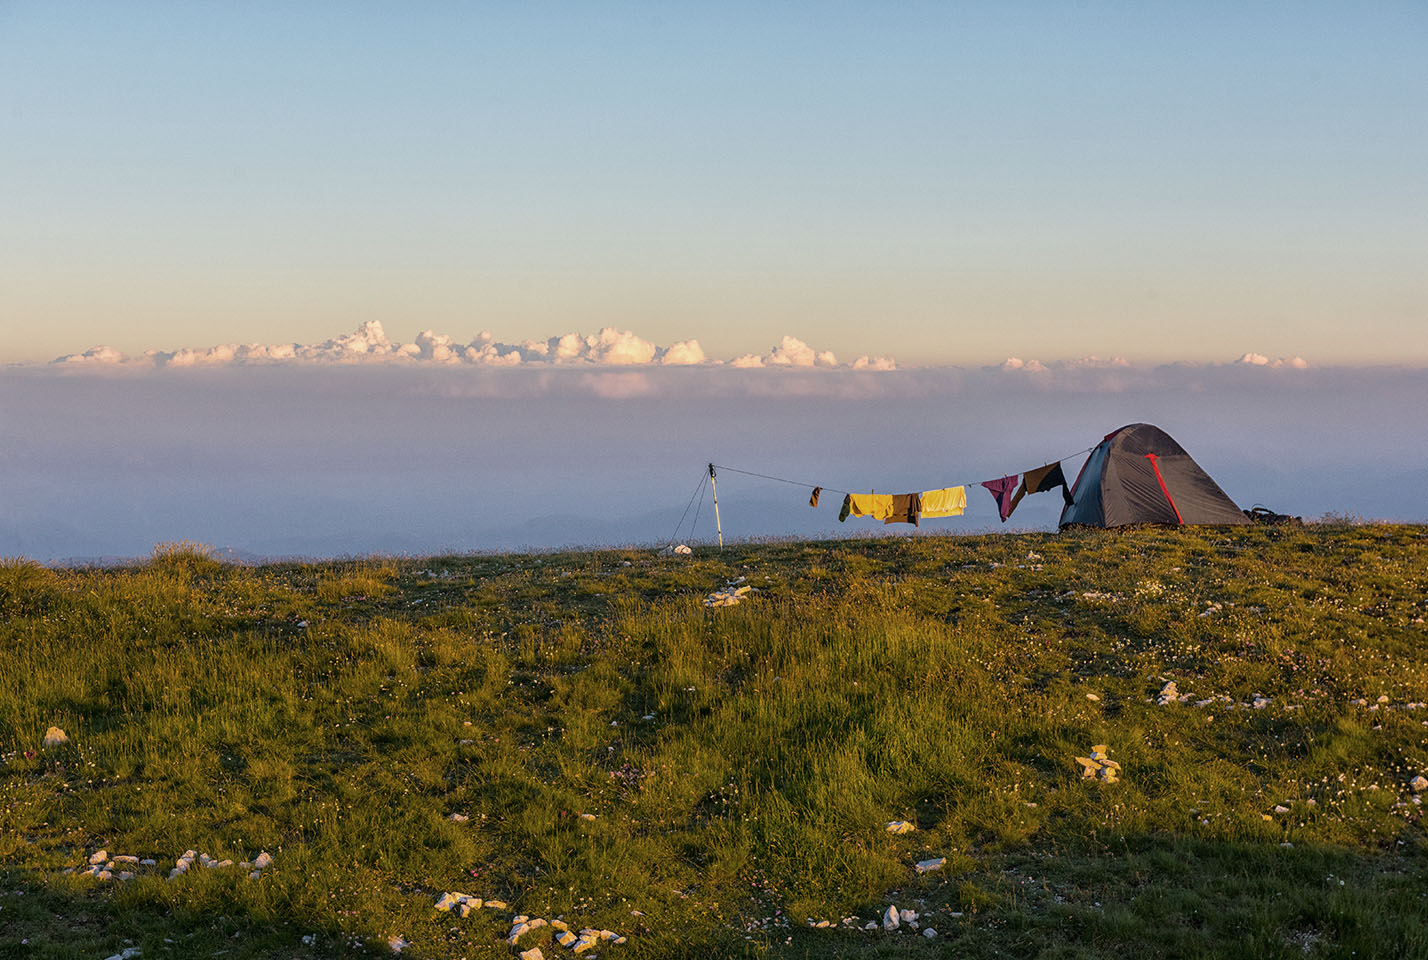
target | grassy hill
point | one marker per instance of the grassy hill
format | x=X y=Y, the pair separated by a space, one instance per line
x=717 y=781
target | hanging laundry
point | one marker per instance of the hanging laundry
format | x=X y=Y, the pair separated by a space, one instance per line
x=905 y=509
x=877 y=506
x=813 y=500
x=1041 y=480
x=1001 y=491
x=947 y=502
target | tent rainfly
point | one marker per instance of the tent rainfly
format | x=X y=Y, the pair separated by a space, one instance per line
x=1138 y=474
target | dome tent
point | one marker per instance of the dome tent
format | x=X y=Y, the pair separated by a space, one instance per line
x=1139 y=474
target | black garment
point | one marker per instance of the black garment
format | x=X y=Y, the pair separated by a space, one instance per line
x=1039 y=481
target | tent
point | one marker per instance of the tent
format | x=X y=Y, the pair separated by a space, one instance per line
x=1139 y=474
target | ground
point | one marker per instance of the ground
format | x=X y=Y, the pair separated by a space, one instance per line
x=714 y=781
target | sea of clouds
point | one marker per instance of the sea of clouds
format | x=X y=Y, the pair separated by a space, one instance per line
x=358 y=445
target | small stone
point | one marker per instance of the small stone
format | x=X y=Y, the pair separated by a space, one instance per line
x=99 y=856
x=928 y=866
x=907 y=916
x=1280 y=808
x=929 y=933
x=900 y=826
x=1383 y=698
x=54 y=736
x=1419 y=783
x=565 y=938
x=890 y=918
x=263 y=861
x=148 y=862
x=587 y=816
x=397 y=944
x=496 y=904
x=126 y=875
x=562 y=925
x=124 y=858
x=532 y=954
x=458 y=818
x=1089 y=696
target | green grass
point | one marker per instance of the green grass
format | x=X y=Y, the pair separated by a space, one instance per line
x=336 y=715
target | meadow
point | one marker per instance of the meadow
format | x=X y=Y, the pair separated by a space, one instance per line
x=577 y=736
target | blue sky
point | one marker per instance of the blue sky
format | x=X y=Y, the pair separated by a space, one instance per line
x=944 y=183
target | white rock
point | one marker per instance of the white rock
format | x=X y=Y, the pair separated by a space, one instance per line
x=1419 y=783
x=264 y=860
x=907 y=916
x=496 y=904
x=54 y=736
x=900 y=826
x=397 y=944
x=126 y=875
x=929 y=933
x=99 y=856
x=532 y=954
x=149 y=862
x=890 y=918
x=458 y=818
x=927 y=866
x=565 y=938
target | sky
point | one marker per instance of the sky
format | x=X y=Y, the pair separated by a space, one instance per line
x=939 y=183
x=324 y=279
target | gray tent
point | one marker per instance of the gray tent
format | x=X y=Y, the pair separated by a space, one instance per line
x=1138 y=474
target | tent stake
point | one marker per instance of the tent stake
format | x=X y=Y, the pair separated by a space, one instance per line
x=717 y=525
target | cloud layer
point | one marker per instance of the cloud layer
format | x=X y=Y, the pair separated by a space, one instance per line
x=369 y=343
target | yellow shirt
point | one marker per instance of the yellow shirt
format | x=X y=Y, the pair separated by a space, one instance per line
x=947 y=502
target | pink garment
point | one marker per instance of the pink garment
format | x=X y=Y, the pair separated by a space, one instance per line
x=1002 y=491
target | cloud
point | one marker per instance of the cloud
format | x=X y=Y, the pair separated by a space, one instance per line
x=792 y=352
x=684 y=353
x=101 y=354
x=608 y=347
x=1260 y=360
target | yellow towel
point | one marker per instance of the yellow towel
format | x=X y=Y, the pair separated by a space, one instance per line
x=947 y=502
x=879 y=506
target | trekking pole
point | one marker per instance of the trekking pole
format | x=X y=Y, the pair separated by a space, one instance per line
x=717 y=525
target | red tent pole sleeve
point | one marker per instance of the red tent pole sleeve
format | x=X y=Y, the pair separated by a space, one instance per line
x=1154 y=465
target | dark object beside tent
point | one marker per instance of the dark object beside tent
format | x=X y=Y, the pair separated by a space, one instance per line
x=1138 y=474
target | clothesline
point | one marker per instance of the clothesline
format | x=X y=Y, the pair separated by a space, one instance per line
x=946 y=507
x=800 y=483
